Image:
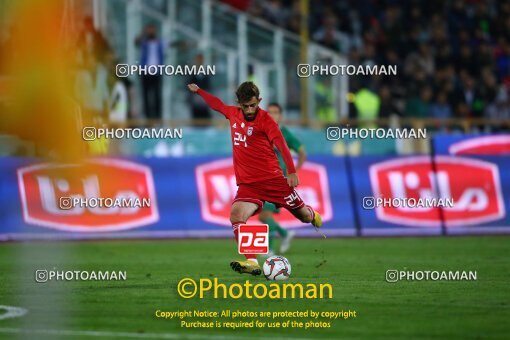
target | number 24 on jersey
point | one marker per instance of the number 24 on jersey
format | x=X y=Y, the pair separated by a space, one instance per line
x=239 y=138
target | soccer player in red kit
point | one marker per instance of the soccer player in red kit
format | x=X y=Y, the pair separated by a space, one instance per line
x=258 y=174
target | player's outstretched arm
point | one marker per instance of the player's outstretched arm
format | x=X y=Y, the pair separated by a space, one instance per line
x=292 y=177
x=276 y=138
x=212 y=101
x=301 y=157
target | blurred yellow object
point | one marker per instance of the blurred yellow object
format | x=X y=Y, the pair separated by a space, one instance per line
x=98 y=146
x=350 y=97
x=352 y=148
x=339 y=148
x=41 y=106
x=324 y=110
x=367 y=104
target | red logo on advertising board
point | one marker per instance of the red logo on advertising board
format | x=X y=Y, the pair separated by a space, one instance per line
x=43 y=187
x=217 y=188
x=253 y=239
x=486 y=145
x=473 y=185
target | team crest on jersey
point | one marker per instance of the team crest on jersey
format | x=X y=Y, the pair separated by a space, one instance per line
x=250 y=130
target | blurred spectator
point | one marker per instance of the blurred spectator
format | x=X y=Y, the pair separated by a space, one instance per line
x=367 y=104
x=90 y=41
x=391 y=25
x=256 y=8
x=119 y=101
x=500 y=107
x=329 y=36
x=387 y=106
x=121 y=96
x=152 y=53
x=421 y=60
x=324 y=101
x=293 y=22
x=466 y=60
x=468 y=97
x=440 y=108
x=91 y=87
x=273 y=12
x=503 y=58
x=418 y=106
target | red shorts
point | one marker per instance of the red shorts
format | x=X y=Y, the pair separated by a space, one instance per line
x=275 y=190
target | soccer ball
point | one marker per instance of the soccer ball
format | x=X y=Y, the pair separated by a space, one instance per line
x=276 y=268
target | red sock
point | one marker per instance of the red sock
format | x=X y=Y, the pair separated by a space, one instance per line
x=235 y=227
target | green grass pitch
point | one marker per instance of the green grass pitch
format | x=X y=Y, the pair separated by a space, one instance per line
x=355 y=267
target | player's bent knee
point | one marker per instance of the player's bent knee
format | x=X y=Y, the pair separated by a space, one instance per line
x=236 y=218
x=241 y=211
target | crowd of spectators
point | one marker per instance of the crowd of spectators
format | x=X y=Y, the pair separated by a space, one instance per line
x=453 y=57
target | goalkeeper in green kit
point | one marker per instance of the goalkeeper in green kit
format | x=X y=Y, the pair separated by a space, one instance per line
x=269 y=209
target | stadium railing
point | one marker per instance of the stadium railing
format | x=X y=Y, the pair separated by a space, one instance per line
x=230 y=39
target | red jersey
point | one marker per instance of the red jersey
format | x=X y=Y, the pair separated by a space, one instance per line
x=252 y=143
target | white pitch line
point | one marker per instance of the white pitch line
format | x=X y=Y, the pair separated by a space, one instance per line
x=12 y=312
x=61 y=332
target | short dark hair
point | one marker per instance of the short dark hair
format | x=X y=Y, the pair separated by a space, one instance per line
x=246 y=91
x=275 y=104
